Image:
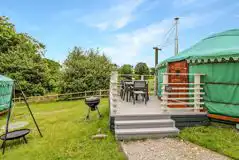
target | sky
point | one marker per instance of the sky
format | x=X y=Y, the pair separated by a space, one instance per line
x=125 y=30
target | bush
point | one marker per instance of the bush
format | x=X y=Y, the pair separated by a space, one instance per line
x=85 y=70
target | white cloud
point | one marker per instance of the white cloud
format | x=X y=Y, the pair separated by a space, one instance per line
x=137 y=46
x=116 y=17
x=127 y=46
x=196 y=20
x=102 y=26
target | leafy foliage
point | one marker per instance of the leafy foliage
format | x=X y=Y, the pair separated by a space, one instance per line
x=152 y=70
x=21 y=58
x=141 y=69
x=54 y=73
x=85 y=70
x=126 y=69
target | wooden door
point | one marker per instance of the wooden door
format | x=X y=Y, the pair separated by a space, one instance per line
x=178 y=67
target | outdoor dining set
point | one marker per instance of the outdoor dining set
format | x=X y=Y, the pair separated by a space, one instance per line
x=132 y=89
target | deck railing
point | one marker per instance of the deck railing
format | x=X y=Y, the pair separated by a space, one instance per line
x=192 y=96
x=113 y=93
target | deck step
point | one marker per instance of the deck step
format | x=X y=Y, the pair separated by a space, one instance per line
x=141 y=133
x=128 y=117
x=144 y=124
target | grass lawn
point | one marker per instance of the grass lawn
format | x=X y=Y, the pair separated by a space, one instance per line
x=218 y=137
x=66 y=134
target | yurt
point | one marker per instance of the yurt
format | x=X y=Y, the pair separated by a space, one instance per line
x=217 y=57
x=6 y=87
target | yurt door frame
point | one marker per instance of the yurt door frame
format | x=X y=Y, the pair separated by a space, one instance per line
x=177 y=91
x=179 y=74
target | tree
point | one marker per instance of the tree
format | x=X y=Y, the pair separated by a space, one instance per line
x=126 y=69
x=85 y=70
x=152 y=70
x=141 y=69
x=21 y=58
x=54 y=72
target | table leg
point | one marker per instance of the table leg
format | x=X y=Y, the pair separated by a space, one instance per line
x=127 y=98
x=88 y=114
x=98 y=112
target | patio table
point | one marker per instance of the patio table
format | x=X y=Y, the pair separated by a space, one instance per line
x=129 y=86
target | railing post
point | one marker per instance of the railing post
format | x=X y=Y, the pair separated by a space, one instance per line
x=164 y=93
x=196 y=92
x=142 y=77
x=113 y=91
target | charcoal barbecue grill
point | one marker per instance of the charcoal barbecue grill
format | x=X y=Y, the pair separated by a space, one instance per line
x=92 y=103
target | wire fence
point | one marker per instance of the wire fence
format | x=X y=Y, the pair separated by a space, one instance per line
x=63 y=97
x=82 y=95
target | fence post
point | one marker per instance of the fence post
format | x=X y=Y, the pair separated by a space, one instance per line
x=100 y=92
x=85 y=94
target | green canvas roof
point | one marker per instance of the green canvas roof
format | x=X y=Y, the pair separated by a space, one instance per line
x=3 y=78
x=224 y=45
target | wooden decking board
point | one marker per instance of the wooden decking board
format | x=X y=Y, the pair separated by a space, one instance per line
x=153 y=107
x=146 y=130
x=224 y=118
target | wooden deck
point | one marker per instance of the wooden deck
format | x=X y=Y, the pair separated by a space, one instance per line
x=151 y=120
x=153 y=106
x=135 y=120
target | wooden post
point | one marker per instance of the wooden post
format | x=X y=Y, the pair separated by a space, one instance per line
x=142 y=77
x=85 y=94
x=100 y=92
x=156 y=51
x=176 y=35
x=196 y=92
x=165 y=95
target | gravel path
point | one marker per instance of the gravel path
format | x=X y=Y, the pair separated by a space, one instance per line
x=168 y=149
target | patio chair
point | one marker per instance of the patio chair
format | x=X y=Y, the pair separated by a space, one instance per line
x=121 y=89
x=126 y=90
x=139 y=88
